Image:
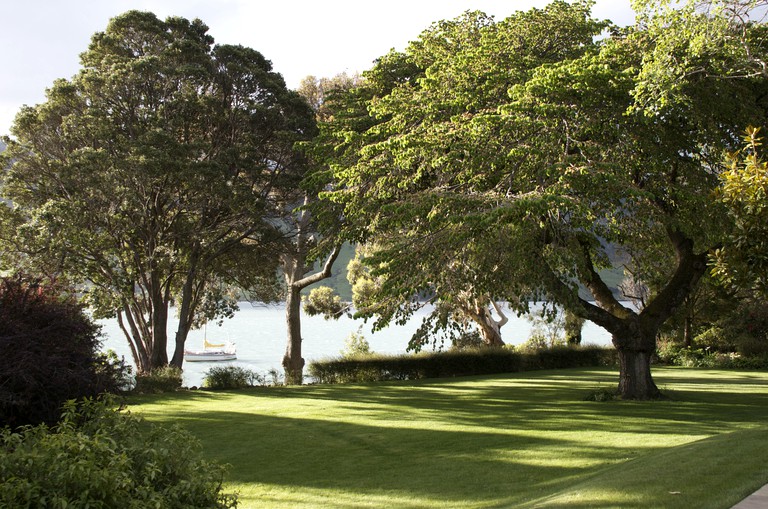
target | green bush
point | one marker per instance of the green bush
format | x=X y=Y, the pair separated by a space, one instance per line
x=455 y=363
x=356 y=346
x=468 y=340
x=231 y=377
x=166 y=379
x=98 y=456
x=674 y=355
x=49 y=353
x=743 y=330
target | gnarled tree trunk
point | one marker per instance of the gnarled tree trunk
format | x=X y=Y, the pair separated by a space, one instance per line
x=635 y=343
x=634 y=333
x=490 y=329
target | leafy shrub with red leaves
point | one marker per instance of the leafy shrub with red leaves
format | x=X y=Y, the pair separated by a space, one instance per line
x=49 y=353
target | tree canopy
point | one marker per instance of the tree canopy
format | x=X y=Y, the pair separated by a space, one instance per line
x=150 y=175
x=518 y=151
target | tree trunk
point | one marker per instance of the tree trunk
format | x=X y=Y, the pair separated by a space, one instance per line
x=132 y=335
x=490 y=331
x=186 y=314
x=635 y=380
x=294 y=269
x=159 y=320
x=635 y=343
x=293 y=362
x=634 y=334
x=688 y=331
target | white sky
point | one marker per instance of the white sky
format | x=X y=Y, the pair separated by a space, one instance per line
x=41 y=40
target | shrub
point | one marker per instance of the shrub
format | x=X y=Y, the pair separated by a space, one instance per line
x=743 y=330
x=356 y=346
x=98 y=456
x=231 y=377
x=49 y=353
x=675 y=355
x=456 y=363
x=467 y=340
x=165 y=379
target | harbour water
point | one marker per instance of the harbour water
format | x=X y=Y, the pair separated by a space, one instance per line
x=259 y=331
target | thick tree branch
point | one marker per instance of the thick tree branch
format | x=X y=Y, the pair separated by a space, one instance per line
x=690 y=268
x=564 y=294
x=600 y=291
x=323 y=274
x=502 y=317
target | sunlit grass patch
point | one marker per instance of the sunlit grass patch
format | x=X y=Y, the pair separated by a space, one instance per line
x=524 y=440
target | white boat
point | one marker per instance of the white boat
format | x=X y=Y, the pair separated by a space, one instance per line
x=212 y=352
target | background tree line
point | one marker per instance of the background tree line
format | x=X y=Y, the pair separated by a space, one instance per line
x=490 y=161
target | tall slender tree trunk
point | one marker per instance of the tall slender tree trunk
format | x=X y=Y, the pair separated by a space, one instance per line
x=158 y=321
x=293 y=362
x=186 y=313
x=133 y=336
x=294 y=268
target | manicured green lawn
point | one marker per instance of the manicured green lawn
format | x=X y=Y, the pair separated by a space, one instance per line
x=526 y=440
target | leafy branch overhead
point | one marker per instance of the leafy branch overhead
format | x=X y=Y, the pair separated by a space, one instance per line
x=510 y=159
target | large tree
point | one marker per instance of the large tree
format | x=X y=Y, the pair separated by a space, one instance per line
x=150 y=175
x=524 y=151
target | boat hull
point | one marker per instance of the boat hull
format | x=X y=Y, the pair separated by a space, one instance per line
x=209 y=356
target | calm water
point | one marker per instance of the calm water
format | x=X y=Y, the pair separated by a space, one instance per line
x=260 y=335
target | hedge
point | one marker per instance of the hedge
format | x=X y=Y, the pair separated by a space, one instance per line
x=483 y=361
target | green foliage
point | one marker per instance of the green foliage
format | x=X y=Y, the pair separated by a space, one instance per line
x=49 y=353
x=520 y=150
x=356 y=346
x=743 y=262
x=142 y=123
x=742 y=329
x=468 y=340
x=737 y=339
x=572 y=326
x=98 y=456
x=546 y=331
x=231 y=377
x=165 y=379
x=324 y=301
x=676 y=355
x=455 y=363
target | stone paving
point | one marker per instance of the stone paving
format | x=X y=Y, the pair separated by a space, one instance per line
x=757 y=500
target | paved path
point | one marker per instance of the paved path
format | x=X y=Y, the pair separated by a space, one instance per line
x=757 y=500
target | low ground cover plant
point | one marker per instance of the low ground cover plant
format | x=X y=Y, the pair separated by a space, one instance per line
x=98 y=456
x=166 y=379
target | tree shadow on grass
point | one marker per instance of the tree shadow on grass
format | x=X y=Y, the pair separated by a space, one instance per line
x=473 y=442
x=409 y=463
